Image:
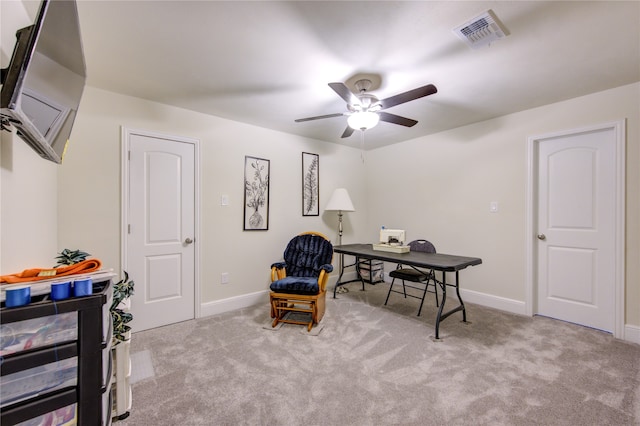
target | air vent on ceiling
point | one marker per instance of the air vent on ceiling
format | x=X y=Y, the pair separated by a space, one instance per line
x=481 y=30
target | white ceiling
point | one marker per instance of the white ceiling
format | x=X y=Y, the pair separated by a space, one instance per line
x=268 y=62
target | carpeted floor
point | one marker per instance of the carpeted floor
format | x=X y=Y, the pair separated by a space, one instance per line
x=372 y=364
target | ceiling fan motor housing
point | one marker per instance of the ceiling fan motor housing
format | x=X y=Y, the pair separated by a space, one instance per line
x=366 y=102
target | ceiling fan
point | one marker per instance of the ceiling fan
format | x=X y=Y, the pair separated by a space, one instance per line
x=365 y=109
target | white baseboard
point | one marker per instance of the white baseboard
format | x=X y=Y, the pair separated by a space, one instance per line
x=347 y=276
x=491 y=301
x=233 y=303
x=632 y=333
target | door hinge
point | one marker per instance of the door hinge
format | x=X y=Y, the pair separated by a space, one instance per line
x=129 y=228
x=129 y=155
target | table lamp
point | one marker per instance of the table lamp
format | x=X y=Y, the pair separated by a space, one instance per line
x=340 y=202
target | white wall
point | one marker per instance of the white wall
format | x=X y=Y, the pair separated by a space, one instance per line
x=28 y=226
x=446 y=181
x=89 y=188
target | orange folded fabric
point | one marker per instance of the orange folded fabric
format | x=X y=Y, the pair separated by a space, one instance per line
x=38 y=274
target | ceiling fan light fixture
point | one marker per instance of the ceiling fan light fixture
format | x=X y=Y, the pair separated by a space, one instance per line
x=363 y=120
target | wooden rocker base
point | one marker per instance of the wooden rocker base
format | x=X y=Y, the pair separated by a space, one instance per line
x=283 y=303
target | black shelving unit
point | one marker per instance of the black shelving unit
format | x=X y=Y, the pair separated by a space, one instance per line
x=93 y=344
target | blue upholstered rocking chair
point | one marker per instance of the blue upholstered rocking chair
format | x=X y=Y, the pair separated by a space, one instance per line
x=299 y=283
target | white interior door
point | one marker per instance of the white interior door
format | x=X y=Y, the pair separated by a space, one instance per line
x=576 y=228
x=161 y=229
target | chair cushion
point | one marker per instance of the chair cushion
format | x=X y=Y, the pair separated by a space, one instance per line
x=306 y=254
x=296 y=285
x=408 y=274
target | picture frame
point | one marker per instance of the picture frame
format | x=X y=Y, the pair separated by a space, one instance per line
x=310 y=184
x=257 y=176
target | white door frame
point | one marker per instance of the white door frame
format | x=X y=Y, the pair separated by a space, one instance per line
x=124 y=168
x=619 y=128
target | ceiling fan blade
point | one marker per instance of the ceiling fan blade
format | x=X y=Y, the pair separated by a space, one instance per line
x=396 y=119
x=343 y=91
x=318 y=117
x=347 y=132
x=401 y=98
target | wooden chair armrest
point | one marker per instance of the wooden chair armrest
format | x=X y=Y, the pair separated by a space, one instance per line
x=322 y=280
x=325 y=270
x=278 y=271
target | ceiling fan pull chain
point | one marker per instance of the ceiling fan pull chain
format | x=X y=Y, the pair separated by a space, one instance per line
x=362 y=145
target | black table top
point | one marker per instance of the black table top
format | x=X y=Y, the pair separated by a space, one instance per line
x=437 y=261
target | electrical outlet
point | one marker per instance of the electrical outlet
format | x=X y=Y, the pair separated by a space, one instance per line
x=224 y=278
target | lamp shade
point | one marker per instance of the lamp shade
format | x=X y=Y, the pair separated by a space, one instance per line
x=363 y=120
x=340 y=201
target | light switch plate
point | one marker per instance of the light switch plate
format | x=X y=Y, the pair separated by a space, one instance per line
x=493 y=207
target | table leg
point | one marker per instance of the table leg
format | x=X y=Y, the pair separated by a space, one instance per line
x=464 y=310
x=443 y=285
x=461 y=307
x=342 y=267
x=359 y=273
x=338 y=283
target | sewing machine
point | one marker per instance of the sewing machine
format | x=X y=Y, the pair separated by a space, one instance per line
x=392 y=240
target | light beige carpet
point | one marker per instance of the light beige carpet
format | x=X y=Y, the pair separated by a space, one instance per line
x=296 y=316
x=377 y=365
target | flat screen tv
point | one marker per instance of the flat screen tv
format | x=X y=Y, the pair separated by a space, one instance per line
x=43 y=85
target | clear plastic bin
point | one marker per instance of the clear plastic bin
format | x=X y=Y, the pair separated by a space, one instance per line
x=38 y=380
x=371 y=271
x=65 y=416
x=37 y=332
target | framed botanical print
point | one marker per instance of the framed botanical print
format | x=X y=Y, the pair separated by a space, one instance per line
x=256 y=194
x=310 y=184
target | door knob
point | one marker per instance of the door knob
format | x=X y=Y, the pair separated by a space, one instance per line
x=188 y=241
x=542 y=237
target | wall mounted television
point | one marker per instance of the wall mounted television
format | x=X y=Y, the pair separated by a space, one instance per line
x=43 y=85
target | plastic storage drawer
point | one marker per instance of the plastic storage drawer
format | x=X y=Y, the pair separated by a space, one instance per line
x=65 y=416
x=41 y=379
x=37 y=332
x=371 y=271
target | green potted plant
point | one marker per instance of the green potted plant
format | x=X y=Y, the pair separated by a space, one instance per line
x=69 y=257
x=122 y=290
